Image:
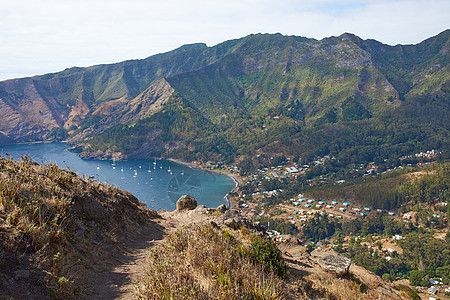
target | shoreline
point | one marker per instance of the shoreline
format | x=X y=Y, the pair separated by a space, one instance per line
x=228 y=202
x=195 y=166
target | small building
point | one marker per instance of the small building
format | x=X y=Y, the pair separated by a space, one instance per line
x=363 y=213
x=407 y=216
x=342 y=209
x=292 y=170
x=335 y=202
x=391 y=213
x=307 y=205
x=379 y=210
x=346 y=204
x=367 y=208
x=432 y=290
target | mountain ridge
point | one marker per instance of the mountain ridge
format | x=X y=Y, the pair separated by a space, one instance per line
x=303 y=82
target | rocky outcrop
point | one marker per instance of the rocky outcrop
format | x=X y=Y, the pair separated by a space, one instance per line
x=233 y=219
x=186 y=202
x=335 y=263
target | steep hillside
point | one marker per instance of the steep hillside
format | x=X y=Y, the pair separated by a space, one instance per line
x=67 y=237
x=61 y=236
x=265 y=91
x=33 y=106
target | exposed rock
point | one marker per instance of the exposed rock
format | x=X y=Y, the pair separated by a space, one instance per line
x=186 y=202
x=334 y=263
x=232 y=218
x=222 y=208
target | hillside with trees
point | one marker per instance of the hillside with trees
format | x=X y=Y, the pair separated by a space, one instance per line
x=358 y=100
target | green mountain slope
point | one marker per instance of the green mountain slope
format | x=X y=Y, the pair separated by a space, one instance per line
x=358 y=99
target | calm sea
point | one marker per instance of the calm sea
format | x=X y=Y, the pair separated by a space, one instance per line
x=157 y=183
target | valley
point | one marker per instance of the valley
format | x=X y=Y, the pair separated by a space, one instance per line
x=340 y=146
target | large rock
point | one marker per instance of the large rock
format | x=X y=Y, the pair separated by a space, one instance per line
x=186 y=202
x=232 y=218
x=335 y=263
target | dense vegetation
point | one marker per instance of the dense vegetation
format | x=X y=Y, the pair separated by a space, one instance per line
x=235 y=112
x=423 y=256
x=392 y=190
x=272 y=93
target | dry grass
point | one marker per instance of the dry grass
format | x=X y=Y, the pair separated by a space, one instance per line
x=36 y=207
x=201 y=262
x=41 y=209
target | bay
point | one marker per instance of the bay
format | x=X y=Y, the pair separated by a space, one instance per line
x=157 y=183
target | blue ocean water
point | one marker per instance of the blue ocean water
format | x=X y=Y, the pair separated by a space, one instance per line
x=157 y=183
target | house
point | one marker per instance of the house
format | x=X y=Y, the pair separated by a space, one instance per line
x=363 y=213
x=406 y=216
x=346 y=203
x=379 y=210
x=335 y=202
x=432 y=290
x=292 y=170
x=342 y=209
x=322 y=202
x=307 y=205
x=329 y=206
x=367 y=208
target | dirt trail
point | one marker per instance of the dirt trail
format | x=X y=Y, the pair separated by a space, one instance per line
x=128 y=264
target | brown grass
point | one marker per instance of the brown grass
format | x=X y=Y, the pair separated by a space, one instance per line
x=41 y=209
x=201 y=262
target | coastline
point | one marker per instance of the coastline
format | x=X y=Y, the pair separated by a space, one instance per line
x=227 y=199
x=195 y=166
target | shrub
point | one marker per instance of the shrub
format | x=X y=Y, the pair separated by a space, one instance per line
x=266 y=252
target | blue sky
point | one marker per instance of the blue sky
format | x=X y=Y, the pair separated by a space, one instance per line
x=38 y=37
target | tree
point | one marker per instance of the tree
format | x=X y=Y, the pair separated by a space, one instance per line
x=416 y=277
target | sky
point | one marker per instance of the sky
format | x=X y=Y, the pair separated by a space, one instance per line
x=38 y=37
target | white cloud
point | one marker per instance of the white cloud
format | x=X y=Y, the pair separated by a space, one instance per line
x=50 y=35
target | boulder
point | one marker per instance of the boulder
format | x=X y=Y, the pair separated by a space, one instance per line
x=186 y=202
x=222 y=208
x=335 y=263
